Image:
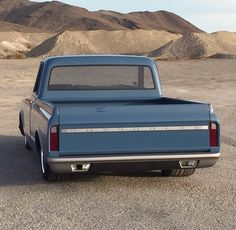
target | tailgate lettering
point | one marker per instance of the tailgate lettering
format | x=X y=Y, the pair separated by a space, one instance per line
x=136 y=129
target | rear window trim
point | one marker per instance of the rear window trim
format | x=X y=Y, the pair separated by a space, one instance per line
x=104 y=89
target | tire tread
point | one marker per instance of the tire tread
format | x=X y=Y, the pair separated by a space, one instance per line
x=178 y=172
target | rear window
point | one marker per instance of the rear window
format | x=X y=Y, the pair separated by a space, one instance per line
x=101 y=78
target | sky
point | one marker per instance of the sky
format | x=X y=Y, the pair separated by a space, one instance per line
x=208 y=15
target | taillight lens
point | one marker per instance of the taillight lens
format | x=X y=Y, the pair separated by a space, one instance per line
x=213 y=135
x=54 y=138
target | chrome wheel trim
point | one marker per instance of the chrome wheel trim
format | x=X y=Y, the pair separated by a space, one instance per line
x=42 y=161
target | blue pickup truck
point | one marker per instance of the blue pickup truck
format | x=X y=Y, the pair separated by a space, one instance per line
x=91 y=111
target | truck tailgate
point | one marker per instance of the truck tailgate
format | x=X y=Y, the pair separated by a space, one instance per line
x=127 y=128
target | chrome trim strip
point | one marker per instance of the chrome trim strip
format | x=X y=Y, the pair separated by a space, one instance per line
x=46 y=103
x=131 y=158
x=45 y=113
x=32 y=138
x=135 y=129
x=42 y=161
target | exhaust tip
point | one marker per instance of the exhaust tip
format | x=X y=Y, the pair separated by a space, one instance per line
x=188 y=164
x=80 y=167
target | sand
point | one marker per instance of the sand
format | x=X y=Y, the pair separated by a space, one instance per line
x=15 y=44
x=117 y=201
x=115 y=42
x=198 y=45
x=153 y=43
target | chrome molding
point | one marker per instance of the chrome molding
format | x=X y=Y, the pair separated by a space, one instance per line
x=135 y=129
x=42 y=161
x=45 y=113
x=32 y=138
x=133 y=158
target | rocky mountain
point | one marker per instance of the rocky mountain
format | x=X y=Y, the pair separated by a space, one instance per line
x=57 y=17
x=8 y=26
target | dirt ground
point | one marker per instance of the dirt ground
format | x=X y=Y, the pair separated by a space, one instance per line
x=206 y=200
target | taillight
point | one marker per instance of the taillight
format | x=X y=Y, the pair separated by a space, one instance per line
x=213 y=135
x=54 y=138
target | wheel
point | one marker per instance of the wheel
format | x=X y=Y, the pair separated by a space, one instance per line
x=27 y=146
x=178 y=172
x=47 y=173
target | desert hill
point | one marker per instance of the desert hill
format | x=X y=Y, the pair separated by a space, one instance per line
x=8 y=26
x=30 y=27
x=57 y=17
x=159 y=20
x=198 y=45
x=100 y=41
x=15 y=44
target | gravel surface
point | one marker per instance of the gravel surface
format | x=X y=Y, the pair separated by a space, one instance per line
x=206 y=200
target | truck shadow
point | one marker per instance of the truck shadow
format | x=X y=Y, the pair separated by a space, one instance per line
x=20 y=166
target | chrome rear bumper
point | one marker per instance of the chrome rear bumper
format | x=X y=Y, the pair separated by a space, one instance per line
x=63 y=164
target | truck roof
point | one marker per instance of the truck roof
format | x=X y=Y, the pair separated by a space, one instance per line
x=98 y=60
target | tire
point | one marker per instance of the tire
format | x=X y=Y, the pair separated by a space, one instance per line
x=47 y=173
x=27 y=146
x=21 y=126
x=178 y=172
